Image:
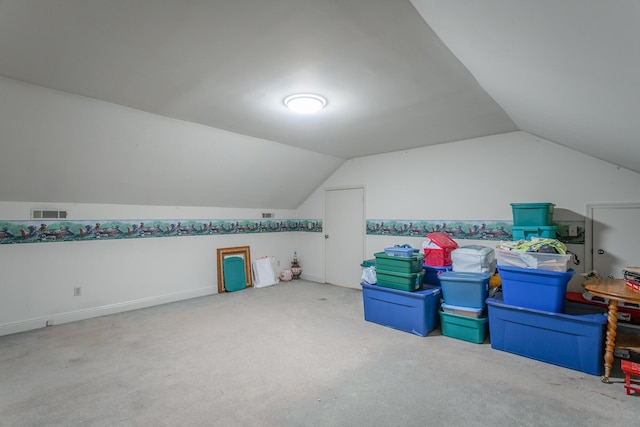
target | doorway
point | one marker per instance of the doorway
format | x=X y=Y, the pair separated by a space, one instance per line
x=344 y=232
x=613 y=237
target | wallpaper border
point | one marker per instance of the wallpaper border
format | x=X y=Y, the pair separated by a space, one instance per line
x=465 y=229
x=91 y=230
x=42 y=231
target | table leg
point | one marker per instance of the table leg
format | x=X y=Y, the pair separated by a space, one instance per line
x=612 y=324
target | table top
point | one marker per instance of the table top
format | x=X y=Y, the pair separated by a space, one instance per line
x=612 y=289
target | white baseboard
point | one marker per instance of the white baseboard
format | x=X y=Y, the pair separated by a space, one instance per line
x=88 y=313
x=312 y=278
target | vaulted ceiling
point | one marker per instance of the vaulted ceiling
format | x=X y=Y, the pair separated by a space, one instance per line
x=398 y=74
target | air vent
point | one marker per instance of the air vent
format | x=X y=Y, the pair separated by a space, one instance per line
x=48 y=214
x=267 y=215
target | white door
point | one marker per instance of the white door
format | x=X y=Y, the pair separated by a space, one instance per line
x=615 y=238
x=344 y=230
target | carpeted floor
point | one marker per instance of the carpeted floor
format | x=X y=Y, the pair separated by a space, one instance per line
x=294 y=354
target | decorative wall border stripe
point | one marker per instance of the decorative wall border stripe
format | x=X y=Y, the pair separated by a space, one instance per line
x=473 y=230
x=91 y=230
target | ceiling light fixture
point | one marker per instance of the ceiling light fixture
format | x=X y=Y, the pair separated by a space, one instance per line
x=305 y=103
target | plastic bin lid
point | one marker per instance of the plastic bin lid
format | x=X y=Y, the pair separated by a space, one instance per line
x=535 y=271
x=464 y=276
x=442 y=240
x=368 y=263
x=460 y=308
x=532 y=205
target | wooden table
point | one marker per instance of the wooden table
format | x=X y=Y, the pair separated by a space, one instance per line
x=614 y=290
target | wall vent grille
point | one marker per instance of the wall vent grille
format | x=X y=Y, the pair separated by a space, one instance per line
x=48 y=214
x=268 y=215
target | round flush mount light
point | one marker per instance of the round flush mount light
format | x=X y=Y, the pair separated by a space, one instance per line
x=305 y=103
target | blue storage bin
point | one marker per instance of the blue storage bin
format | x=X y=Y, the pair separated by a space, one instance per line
x=464 y=289
x=564 y=339
x=413 y=312
x=536 y=289
x=432 y=274
x=402 y=251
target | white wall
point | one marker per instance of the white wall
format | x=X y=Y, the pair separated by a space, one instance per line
x=474 y=180
x=102 y=161
x=115 y=275
x=66 y=148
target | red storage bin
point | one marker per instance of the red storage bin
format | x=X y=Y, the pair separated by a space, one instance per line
x=437 y=257
x=441 y=255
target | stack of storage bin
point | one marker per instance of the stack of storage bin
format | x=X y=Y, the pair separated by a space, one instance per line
x=400 y=300
x=533 y=220
x=399 y=268
x=463 y=311
x=530 y=319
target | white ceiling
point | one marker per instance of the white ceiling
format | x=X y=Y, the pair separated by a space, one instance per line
x=396 y=76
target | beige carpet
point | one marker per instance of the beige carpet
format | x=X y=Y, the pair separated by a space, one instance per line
x=294 y=354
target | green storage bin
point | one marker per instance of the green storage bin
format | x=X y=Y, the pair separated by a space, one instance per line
x=464 y=328
x=402 y=281
x=398 y=264
x=526 y=214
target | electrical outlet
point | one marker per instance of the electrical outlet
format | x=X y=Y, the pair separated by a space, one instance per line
x=572 y=231
x=77 y=291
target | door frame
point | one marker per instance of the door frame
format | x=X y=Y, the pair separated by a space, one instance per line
x=588 y=227
x=324 y=222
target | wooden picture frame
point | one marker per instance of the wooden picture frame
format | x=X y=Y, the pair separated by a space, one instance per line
x=243 y=252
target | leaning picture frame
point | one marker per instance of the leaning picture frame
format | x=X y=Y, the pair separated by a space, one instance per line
x=243 y=252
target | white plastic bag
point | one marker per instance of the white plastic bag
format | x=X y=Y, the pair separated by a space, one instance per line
x=263 y=273
x=369 y=275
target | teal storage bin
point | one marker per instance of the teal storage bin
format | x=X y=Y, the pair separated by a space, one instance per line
x=528 y=214
x=566 y=339
x=464 y=289
x=413 y=312
x=472 y=329
x=527 y=232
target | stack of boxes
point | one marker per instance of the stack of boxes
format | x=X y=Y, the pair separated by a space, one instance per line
x=463 y=315
x=530 y=318
x=399 y=299
x=437 y=256
x=533 y=220
x=399 y=268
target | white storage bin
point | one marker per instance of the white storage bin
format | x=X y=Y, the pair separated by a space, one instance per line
x=474 y=259
x=533 y=260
